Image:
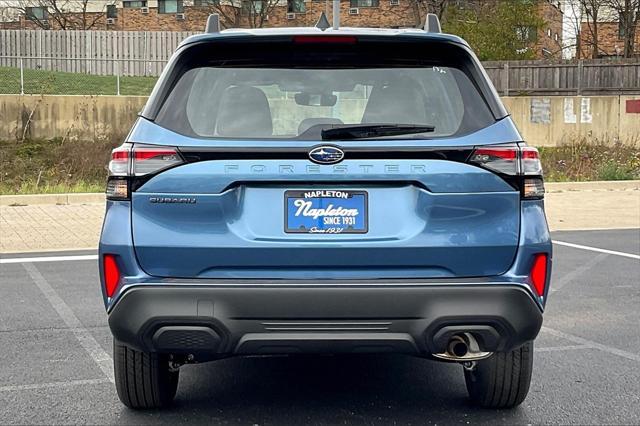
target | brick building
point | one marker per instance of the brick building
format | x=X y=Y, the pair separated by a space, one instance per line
x=610 y=40
x=548 y=43
x=191 y=15
x=610 y=33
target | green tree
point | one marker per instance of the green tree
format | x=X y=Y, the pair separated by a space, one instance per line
x=496 y=30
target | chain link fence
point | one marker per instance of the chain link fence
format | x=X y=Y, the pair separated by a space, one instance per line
x=136 y=77
x=77 y=76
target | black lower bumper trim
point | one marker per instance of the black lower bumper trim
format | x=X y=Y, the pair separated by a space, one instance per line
x=212 y=321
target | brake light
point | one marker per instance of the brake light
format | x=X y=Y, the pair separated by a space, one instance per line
x=531 y=168
x=130 y=160
x=531 y=164
x=324 y=39
x=111 y=274
x=499 y=159
x=119 y=164
x=520 y=165
x=147 y=159
x=539 y=273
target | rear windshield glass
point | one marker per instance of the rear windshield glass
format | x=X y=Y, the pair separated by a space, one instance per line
x=297 y=103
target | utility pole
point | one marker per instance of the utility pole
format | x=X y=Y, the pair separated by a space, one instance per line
x=336 y=14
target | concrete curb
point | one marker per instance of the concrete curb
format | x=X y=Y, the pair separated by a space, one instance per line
x=73 y=251
x=33 y=199
x=97 y=198
x=609 y=185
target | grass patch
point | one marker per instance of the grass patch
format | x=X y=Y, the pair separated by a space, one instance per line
x=33 y=187
x=614 y=171
x=67 y=83
x=586 y=160
x=51 y=166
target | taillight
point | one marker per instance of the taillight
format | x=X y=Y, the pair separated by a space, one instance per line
x=129 y=161
x=111 y=274
x=149 y=159
x=499 y=159
x=533 y=188
x=520 y=165
x=530 y=161
x=539 y=273
x=119 y=164
x=531 y=166
x=117 y=188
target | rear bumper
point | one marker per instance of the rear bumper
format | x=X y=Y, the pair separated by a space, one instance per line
x=212 y=321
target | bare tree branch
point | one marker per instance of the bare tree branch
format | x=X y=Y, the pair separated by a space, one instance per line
x=628 y=13
x=236 y=13
x=422 y=7
x=591 y=10
x=63 y=14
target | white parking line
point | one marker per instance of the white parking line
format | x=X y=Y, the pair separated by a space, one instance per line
x=599 y=250
x=95 y=256
x=87 y=341
x=580 y=341
x=50 y=330
x=581 y=269
x=563 y=348
x=14 y=388
x=48 y=258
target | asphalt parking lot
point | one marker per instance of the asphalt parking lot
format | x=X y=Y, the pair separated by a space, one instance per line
x=55 y=358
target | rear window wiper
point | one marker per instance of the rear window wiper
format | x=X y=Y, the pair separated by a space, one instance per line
x=373 y=130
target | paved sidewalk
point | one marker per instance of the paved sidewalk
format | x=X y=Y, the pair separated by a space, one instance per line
x=597 y=209
x=44 y=227
x=50 y=227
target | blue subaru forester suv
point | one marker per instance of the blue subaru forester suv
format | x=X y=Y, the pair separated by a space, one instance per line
x=295 y=190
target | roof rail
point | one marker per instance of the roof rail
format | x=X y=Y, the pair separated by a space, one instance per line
x=432 y=23
x=213 y=24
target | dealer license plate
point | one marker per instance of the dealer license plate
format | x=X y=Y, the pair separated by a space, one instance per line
x=326 y=212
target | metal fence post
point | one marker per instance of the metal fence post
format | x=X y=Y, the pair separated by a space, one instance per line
x=21 y=77
x=117 y=77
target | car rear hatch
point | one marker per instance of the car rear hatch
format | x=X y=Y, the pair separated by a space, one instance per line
x=268 y=176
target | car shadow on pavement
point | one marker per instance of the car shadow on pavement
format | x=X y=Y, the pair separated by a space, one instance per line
x=327 y=390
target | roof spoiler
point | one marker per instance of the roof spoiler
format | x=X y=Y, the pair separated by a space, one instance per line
x=213 y=24
x=432 y=23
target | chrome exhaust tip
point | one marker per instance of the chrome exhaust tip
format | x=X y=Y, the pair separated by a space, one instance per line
x=463 y=348
x=457 y=347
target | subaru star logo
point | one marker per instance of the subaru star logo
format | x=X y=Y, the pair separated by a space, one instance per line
x=326 y=155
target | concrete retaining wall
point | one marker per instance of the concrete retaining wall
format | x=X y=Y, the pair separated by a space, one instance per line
x=554 y=120
x=542 y=121
x=72 y=117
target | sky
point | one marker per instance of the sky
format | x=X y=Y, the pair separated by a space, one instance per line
x=571 y=9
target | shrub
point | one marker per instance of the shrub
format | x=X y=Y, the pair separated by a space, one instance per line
x=583 y=160
x=36 y=166
x=40 y=166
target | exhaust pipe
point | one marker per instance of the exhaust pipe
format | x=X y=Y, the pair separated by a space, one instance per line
x=463 y=348
x=457 y=347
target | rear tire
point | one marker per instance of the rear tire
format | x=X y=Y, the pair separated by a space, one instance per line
x=501 y=381
x=143 y=379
